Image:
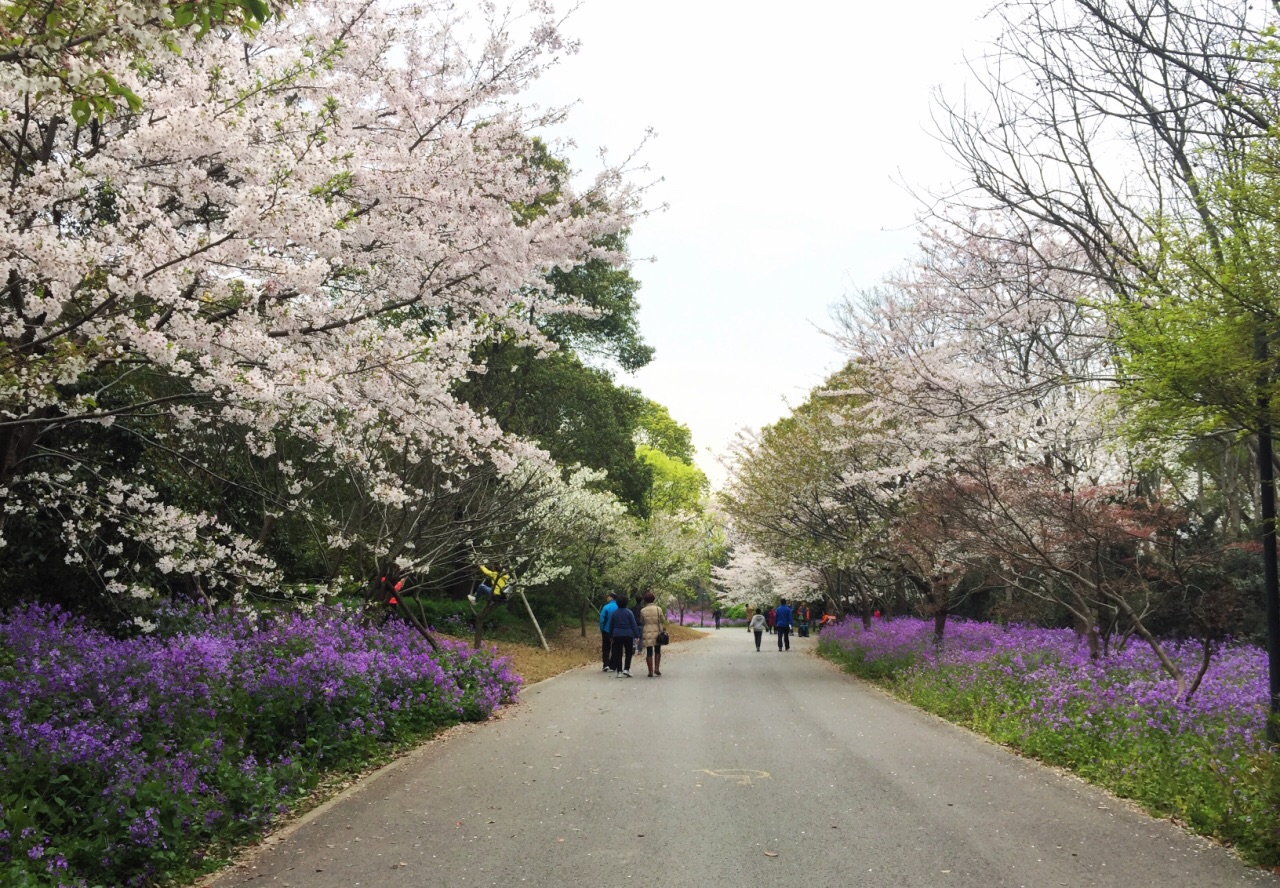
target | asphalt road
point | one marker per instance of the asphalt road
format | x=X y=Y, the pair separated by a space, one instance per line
x=735 y=768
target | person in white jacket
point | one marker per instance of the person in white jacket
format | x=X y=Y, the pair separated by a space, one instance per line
x=757 y=626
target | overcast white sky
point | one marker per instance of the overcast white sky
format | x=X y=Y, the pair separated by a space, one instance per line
x=786 y=138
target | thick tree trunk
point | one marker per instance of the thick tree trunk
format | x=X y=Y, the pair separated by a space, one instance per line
x=939 y=624
x=1085 y=618
x=938 y=598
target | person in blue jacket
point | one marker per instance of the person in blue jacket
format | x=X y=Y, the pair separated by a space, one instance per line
x=606 y=631
x=782 y=624
x=625 y=632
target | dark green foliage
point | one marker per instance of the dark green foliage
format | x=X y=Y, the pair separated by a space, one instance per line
x=578 y=413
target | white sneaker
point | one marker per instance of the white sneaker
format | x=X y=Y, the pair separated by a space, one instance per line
x=626 y=673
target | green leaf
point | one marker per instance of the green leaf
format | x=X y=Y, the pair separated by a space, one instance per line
x=81 y=111
x=258 y=9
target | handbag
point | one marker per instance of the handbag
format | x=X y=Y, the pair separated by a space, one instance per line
x=663 y=638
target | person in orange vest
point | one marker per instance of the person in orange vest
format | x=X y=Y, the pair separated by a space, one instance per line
x=394 y=589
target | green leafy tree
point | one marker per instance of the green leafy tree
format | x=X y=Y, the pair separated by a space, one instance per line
x=677 y=486
x=659 y=431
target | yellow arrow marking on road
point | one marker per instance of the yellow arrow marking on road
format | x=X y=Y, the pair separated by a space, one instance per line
x=742 y=775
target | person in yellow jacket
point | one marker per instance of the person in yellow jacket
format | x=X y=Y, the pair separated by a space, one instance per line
x=495 y=584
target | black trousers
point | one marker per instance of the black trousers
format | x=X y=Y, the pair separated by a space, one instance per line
x=784 y=636
x=759 y=635
x=606 y=649
x=623 y=647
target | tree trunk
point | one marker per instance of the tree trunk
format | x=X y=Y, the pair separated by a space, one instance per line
x=1086 y=619
x=1205 y=658
x=938 y=598
x=939 y=624
x=477 y=637
x=1174 y=670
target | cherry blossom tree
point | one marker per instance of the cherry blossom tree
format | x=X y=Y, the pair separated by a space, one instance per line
x=985 y=351
x=298 y=236
x=754 y=579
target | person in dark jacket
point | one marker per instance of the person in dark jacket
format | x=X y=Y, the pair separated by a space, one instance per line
x=782 y=624
x=625 y=632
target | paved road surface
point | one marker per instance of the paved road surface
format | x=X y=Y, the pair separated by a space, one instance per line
x=735 y=768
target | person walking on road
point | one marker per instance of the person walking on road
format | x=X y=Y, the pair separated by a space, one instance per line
x=606 y=631
x=716 y=614
x=653 y=622
x=625 y=632
x=782 y=624
x=769 y=616
x=757 y=626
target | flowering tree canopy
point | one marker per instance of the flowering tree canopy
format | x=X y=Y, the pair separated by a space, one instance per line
x=292 y=246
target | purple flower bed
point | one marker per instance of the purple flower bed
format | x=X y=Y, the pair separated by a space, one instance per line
x=1117 y=720
x=122 y=760
x=700 y=619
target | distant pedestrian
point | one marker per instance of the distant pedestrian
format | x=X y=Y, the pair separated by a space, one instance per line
x=625 y=632
x=653 y=624
x=782 y=624
x=768 y=620
x=716 y=614
x=606 y=631
x=757 y=626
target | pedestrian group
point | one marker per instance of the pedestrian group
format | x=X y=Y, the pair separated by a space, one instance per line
x=621 y=628
x=624 y=629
